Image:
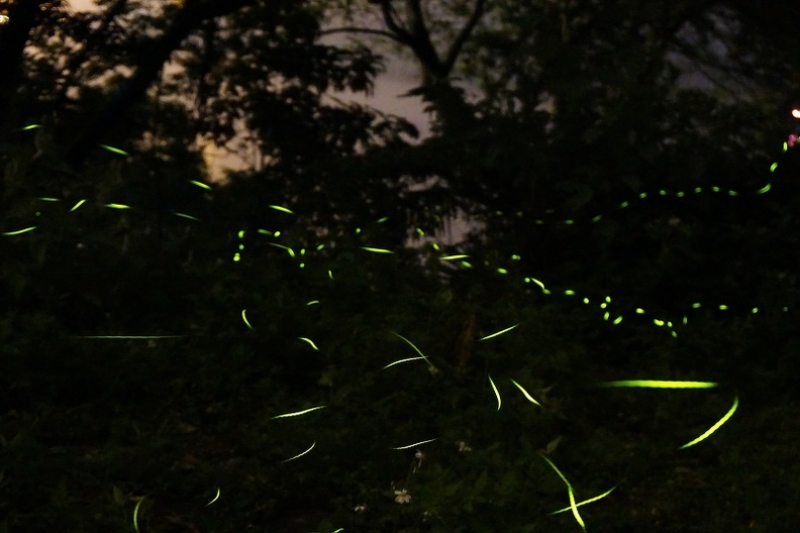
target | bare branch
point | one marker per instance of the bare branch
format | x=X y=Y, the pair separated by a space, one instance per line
x=463 y=35
x=350 y=29
x=389 y=17
x=416 y=36
x=422 y=44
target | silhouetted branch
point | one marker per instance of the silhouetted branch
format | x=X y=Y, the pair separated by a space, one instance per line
x=351 y=29
x=463 y=35
x=147 y=71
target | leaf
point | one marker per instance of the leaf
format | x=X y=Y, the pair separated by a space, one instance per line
x=552 y=445
x=119 y=498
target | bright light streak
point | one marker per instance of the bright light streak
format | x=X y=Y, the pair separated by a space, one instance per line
x=215 y=497
x=201 y=185
x=114 y=150
x=525 y=393
x=310 y=342
x=136 y=515
x=420 y=443
x=19 y=231
x=584 y=502
x=496 y=393
x=716 y=426
x=493 y=335
x=415 y=349
x=281 y=209
x=130 y=337
x=572 y=503
x=298 y=413
x=404 y=361
x=300 y=454
x=660 y=384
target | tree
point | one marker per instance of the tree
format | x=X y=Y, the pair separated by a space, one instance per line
x=251 y=65
x=593 y=63
x=614 y=77
x=588 y=107
x=409 y=28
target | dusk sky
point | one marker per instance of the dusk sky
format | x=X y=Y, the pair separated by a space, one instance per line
x=399 y=78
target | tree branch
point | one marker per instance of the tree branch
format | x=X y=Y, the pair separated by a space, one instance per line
x=417 y=37
x=422 y=44
x=389 y=17
x=147 y=71
x=463 y=35
x=350 y=29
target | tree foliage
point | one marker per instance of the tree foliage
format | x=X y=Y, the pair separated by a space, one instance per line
x=587 y=105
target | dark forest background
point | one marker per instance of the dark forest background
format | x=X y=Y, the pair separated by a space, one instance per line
x=154 y=322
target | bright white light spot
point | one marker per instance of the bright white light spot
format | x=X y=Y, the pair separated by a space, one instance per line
x=796 y=113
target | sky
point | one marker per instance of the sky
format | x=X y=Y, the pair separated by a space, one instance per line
x=399 y=78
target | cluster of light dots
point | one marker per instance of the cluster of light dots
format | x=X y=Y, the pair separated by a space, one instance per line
x=300 y=256
x=605 y=303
